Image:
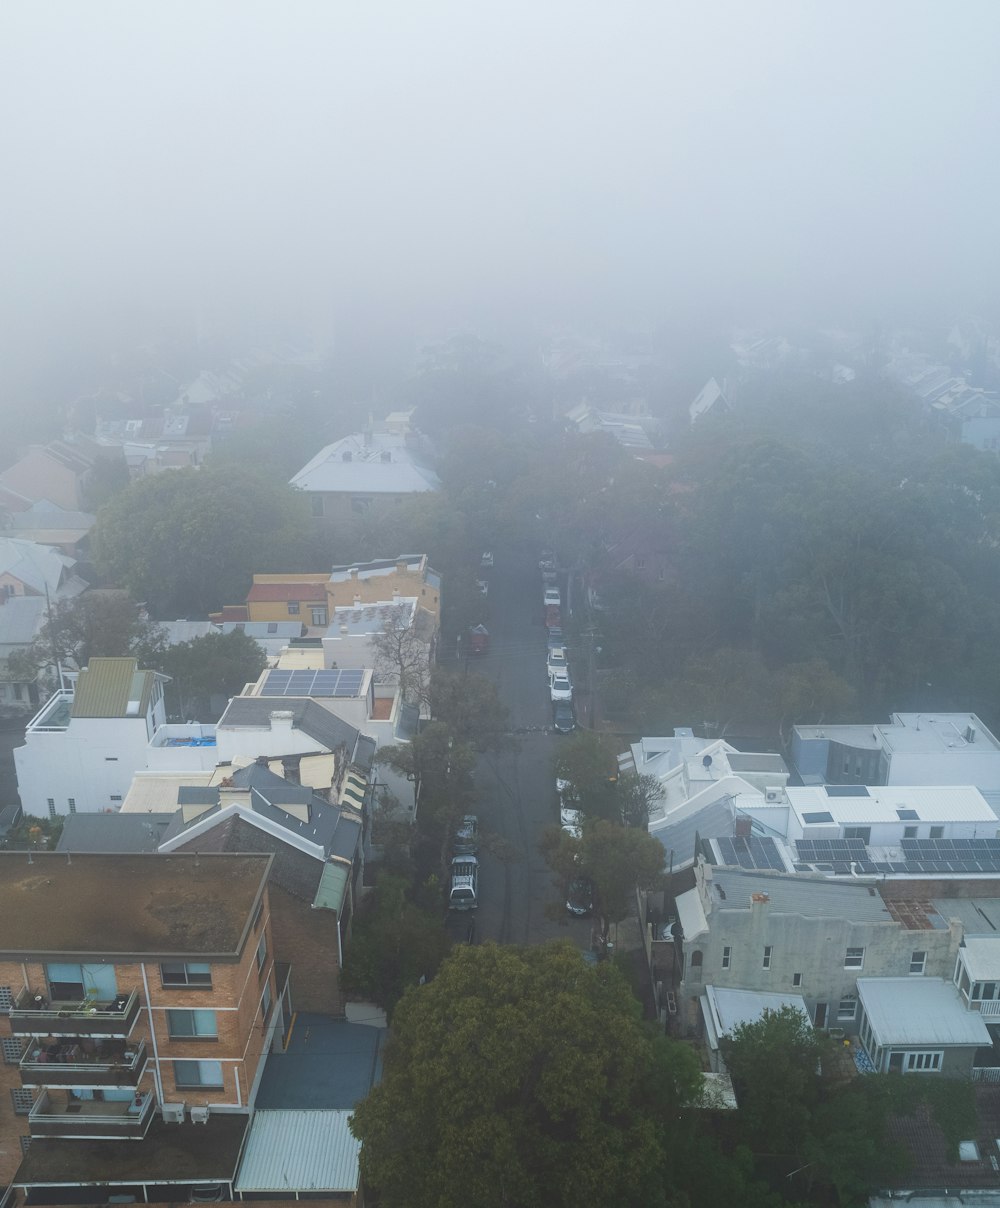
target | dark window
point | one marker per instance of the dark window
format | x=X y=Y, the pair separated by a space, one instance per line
x=198 y=1073
x=184 y=1024
x=190 y=973
x=293 y=608
x=262 y=952
x=937 y=832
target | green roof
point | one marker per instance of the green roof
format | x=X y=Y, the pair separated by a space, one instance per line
x=107 y=687
x=332 y=886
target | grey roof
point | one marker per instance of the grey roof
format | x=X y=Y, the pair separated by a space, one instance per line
x=714 y=821
x=265 y=629
x=197 y=794
x=20 y=619
x=978 y=916
x=329 y=1063
x=312 y=719
x=921 y=1011
x=809 y=897
x=113 y=832
x=365 y=470
x=297 y=1150
x=757 y=761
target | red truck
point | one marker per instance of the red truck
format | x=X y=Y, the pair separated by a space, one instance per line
x=479 y=640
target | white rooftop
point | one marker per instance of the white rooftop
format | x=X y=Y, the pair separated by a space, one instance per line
x=371 y=463
x=919 y=1011
x=728 y=1010
x=880 y=803
x=367 y=619
x=981 y=957
x=912 y=734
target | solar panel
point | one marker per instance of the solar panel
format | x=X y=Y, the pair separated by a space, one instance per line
x=846 y=790
x=337 y=682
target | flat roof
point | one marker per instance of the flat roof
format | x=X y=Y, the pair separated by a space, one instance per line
x=811 y=897
x=982 y=957
x=127 y=906
x=329 y=1063
x=937 y=733
x=879 y=803
x=169 y=1153
x=919 y=1011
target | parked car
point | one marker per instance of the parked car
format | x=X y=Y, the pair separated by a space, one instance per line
x=563 y=717
x=553 y=617
x=554 y=635
x=547 y=560
x=479 y=640
x=552 y=596
x=483 y=586
x=560 y=687
x=569 y=816
x=486 y=561
x=464 y=892
x=467 y=836
x=556 y=660
x=580 y=897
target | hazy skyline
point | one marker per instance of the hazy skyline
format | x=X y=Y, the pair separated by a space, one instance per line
x=452 y=163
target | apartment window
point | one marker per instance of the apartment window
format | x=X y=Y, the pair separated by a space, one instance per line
x=796 y=979
x=317 y=505
x=917 y=961
x=640 y=564
x=72 y=804
x=116 y=797
x=922 y=1062
x=183 y=1025
x=984 y=991
x=259 y=915
x=767 y=956
x=110 y=758
x=293 y=608
x=13 y=1049
x=198 y=1073
x=262 y=952
x=854 y=958
x=909 y=832
x=858 y=832
x=727 y=956
x=319 y=616
x=6 y=999
x=265 y=1001
x=52 y=807
x=937 y=832
x=189 y=973
x=847 y=1008
x=23 y=1098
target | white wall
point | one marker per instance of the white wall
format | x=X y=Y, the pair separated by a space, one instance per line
x=968 y=766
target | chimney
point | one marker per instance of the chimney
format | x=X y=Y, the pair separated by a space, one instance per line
x=400 y=566
x=357 y=600
x=354 y=577
x=759 y=901
x=281 y=720
x=742 y=827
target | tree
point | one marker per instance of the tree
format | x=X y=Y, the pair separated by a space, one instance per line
x=402 y=657
x=468 y=705
x=591 y=767
x=638 y=793
x=214 y=665
x=96 y=624
x=773 y=1062
x=516 y=1077
x=394 y=943
x=187 y=541
x=616 y=860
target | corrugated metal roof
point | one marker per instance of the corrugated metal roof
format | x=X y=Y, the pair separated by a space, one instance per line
x=332 y=884
x=922 y=1011
x=807 y=896
x=106 y=685
x=299 y=1151
x=981 y=956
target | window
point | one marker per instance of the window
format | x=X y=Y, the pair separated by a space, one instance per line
x=262 y=952
x=52 y=807
x=13 y=1049
x=317 y=505
x=185 y=1024
x=847 y=1008
x=921 y=1062
x=25 y=1145
x=116 y=797
x=190 y=973
x=796 y=979
x=858 y=832
x=767 y=956
x=854 y=958
x=319 y=615
x=937 y=832
x=23 y=1100
x=19 y=692
x=984 y=991
x=72 y=805
x=909 y=832
x=198 y=1073
x=259 y=915
x=265 y=1001
x=293 y=608
x=640 y=564
x=917 y=961
x=727 y=955
x=360 y=505
x=110 y=758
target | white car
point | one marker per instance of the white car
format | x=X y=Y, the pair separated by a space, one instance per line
x=559 y=686
x=574 y=832
x=556 y=660
x=486 y=560
x=552 y=596
x=570 y=817
x=483 y=586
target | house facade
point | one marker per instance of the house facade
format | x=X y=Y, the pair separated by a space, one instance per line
x=138 y=1027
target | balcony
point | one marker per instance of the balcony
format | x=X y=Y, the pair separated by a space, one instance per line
x=60 y=1114
x=112 y=1063
x=33 y=1015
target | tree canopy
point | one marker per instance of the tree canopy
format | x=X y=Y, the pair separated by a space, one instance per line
x=518 y=1076
x=216 y=665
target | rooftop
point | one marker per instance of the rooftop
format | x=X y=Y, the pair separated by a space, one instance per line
x=379 y=566
x=112 y=833
x=850 y=804
x=309 y=1150
x=367 y=619
x=726 y=1010
x=113 y=687
x=375 y=463
x=807 y=896
x=117 y=906
x=921 y=1011
x=327 y=1063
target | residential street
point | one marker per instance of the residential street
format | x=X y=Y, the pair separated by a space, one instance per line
x=517 y=793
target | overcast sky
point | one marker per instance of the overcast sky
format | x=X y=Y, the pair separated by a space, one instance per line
x=455 y=160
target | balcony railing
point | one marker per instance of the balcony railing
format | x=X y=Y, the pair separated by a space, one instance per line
x=107 y=1063
x=58 y=1114
x=986 y=1073
x=33 y=1015
x=985 y=1006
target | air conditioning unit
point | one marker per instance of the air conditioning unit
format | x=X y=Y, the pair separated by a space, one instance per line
x=199 y=1115
x=773 y=794
x=172 y=1113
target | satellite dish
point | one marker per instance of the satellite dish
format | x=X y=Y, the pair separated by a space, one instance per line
x=707 y=761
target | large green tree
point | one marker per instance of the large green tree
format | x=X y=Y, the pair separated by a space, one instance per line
x=187 y=541
x=216 y=665
x=517 y=1077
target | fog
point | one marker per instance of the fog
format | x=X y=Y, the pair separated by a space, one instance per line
x=442 y=164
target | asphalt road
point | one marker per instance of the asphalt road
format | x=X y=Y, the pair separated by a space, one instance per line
x=517 y=797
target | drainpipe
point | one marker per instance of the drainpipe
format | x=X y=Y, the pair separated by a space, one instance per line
x=152 y=1036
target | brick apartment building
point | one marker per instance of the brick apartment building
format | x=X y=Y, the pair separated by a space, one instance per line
x=143 y=1001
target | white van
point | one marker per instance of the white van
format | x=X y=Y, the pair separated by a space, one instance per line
x=464 y=892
